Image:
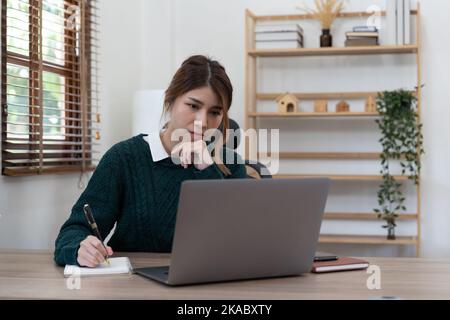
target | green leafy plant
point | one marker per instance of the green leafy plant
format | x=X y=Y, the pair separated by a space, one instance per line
x=402 y=141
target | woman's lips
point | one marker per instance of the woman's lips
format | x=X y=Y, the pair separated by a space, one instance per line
x=196 y=135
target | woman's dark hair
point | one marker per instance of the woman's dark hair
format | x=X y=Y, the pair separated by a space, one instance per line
x=196 y=72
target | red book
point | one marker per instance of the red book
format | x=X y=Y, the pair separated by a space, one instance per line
x=341 y=264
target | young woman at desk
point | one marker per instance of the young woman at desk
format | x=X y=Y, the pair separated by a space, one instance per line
x=137 y=183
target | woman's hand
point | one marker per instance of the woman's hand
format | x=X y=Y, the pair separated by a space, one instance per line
x=193 y=153
x=91 y=252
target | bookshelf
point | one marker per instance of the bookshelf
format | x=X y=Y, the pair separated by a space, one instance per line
x=252 y=117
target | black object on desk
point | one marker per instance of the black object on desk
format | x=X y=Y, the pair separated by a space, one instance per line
x=324 y=256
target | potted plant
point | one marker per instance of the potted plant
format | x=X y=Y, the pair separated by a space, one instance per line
x=326 y=12
x=401 y=140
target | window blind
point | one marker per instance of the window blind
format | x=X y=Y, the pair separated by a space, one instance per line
x=49 y=84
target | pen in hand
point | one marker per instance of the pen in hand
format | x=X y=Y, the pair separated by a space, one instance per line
x=90 y=218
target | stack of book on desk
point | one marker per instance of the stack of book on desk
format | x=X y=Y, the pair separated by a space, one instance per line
x=325 y=262
x=362 y=36
x=278 y=36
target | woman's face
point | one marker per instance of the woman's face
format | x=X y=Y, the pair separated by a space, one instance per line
x=196 y=111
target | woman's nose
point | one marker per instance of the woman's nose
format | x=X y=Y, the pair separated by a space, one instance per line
x=201 y=119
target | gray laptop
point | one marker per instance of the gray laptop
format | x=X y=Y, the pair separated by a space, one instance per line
x=243 y=229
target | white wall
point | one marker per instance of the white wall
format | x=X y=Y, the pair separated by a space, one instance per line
x=32 y=209
x=436 y=173
x=144 y=41
x=122 y=45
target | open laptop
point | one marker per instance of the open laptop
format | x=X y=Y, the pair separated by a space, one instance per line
x=243 y=229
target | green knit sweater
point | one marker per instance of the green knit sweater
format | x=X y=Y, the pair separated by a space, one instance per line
x=141 y=195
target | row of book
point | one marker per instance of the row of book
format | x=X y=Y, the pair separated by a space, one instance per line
x=269 y=36
x=398 y=22
x=362 y=36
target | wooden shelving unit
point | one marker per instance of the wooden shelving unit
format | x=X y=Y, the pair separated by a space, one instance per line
x=252 y=116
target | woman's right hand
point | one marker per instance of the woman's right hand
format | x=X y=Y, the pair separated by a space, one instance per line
x=91 y=252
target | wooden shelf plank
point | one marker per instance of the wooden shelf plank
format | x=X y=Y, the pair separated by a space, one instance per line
x=338 y=177
x=301 y=52
x=364 y=216
x=355 y=14
x=311 y=114
x=323 y=155
x=362 y=239
x=318 y=95
x=322 y=95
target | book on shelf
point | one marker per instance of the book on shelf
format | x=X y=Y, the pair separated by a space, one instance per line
x=407 y=22
x=280 y=28
x=361 y=42
x=280 y=36
x=365 y=29
x=398 y=22
x=277 y=44
x=391 y=22
x=340 y=264
x=362 y=34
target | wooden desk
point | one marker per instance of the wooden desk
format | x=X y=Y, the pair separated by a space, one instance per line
x=33 y=275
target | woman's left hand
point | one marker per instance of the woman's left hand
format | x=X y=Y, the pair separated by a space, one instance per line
x=196 y=153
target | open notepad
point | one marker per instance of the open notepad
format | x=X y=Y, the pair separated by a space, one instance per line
x=117 y=265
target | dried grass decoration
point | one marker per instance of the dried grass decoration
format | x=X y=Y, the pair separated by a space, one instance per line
x=326 y=12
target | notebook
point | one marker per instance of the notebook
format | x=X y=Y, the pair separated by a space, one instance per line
x=341 y=264
x=116 y=266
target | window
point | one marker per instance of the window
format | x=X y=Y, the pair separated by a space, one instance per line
x=49 y=89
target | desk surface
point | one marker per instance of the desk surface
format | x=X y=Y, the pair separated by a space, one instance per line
x=33 y=275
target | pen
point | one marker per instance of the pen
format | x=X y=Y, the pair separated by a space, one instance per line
x=90 y=218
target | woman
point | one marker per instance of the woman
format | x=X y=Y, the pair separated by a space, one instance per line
x=137 y=181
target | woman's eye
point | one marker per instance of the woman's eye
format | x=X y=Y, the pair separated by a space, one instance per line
x=193 y=106
x=215 y=113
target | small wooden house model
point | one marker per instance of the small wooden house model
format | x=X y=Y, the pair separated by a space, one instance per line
x=287 y=103
x=342 y=106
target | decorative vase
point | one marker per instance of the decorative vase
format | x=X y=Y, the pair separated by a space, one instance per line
x=326 y=40
x=391 y=233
